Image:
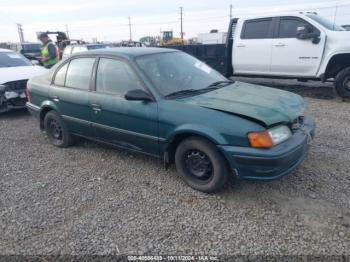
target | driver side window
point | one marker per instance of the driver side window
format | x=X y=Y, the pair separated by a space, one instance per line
x=288 y=26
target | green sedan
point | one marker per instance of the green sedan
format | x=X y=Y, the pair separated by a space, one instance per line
x=167 y=104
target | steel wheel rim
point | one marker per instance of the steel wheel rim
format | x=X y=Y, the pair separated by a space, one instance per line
x=346 y=83
x=55 y=130
x=198 y=165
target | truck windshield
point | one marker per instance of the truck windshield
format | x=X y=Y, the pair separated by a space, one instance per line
x=32 y=47
x=174 y=72
x=12 y=59
x=326 y=23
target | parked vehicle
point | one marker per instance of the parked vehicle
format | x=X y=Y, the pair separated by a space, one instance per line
x=15 y=70
x=214 y=37
x=72 y=49
x=168 y=104
x=29 y=50
x=303 y=46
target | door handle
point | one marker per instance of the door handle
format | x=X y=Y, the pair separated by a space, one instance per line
x=280 y=45
x=241 y=45
x=96 y=108
x=55 y=98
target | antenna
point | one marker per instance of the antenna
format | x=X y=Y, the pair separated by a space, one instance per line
x=335 y=14
x=231 y=11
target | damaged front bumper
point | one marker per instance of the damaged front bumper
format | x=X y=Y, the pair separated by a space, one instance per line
x=11 y=98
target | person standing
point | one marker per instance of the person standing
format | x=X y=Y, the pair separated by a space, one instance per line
x=49 y=52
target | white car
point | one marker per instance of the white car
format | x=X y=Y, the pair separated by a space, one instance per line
x=15 y=70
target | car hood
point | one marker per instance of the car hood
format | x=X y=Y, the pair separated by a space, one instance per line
x=266 y=105
x=8 y=74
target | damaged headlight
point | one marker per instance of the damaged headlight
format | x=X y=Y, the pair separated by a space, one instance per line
x=270 y=137
x=279 y=134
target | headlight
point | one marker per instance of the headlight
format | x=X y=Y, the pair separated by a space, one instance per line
x=279 y=134
x=270 y=137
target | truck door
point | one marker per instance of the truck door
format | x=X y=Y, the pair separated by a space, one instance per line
x=292 y=56
x=252 y=48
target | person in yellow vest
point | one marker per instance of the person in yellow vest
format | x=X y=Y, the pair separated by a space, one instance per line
x=49 y=52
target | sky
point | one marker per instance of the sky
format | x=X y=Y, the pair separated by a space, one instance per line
x=107 y=20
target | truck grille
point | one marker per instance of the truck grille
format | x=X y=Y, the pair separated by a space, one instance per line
x=16 y=85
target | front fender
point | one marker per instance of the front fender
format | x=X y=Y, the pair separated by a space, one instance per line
x=328 y=58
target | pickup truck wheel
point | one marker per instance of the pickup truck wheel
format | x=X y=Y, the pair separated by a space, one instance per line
x=56 y=130
x=201 y=165
x=342 y=83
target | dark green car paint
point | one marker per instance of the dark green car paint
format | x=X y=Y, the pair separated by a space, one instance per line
x=224 y=116
x=268 y=105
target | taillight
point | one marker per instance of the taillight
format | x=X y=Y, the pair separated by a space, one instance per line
x=26 y=92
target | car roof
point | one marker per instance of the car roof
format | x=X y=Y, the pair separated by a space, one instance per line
x=128 y=52
x=274 y=14
x=6 y=50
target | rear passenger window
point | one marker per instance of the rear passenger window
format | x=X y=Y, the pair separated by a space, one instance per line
x=115 y=77
x=79 y=73
x=61 y=75
x=257 y=29
x=288 y=27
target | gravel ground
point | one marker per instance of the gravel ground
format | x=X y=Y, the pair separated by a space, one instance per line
x=91 y=199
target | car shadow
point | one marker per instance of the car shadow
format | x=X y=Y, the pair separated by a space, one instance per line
x=16 y=113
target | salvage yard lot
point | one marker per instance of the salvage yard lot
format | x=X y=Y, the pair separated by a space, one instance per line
x=93 y=199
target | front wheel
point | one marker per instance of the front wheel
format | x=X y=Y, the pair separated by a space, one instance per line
x=342 y=83
x=56 y=130
x=201 y=165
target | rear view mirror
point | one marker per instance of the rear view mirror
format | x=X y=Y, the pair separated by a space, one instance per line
x=138 y=95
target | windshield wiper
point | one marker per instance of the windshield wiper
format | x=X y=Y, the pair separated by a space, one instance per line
x=182 y=92
x=219 y=83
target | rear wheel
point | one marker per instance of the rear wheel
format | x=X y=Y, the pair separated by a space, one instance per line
x=342 y=83
x=201 y=165
x=56 y=130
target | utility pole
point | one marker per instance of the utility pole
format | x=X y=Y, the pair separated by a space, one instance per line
x=20 y=32
x=130 y=29
x=230 y=12
x=181 y=17
x=67 y=31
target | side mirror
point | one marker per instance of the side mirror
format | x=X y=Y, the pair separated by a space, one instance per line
x=138 y=95
x=308 y=32
x=34 y=62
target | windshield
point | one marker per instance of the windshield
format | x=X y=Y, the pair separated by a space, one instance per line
x=176 y=71
x=32 y=47
x=11 y=59
x=326 y=23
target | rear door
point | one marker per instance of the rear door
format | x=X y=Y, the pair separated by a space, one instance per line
x=128 y=124
x=292 y=56
x=252 y=48
x=70 y=92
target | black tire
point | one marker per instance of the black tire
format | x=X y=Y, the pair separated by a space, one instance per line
x=201 y=165
x=56 y=130
x=342 y=83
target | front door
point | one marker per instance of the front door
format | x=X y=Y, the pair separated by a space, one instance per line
x=70 y=93
x=128 y=124
x=252 y=49
x=292 y=56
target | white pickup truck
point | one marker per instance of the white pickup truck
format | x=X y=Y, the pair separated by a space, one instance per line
x=303 y=46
